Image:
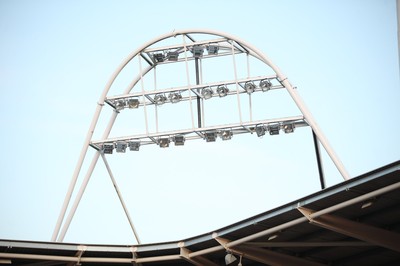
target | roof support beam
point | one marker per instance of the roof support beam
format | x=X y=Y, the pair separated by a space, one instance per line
x=199 y=260
x=265 y=256
x=367 y=233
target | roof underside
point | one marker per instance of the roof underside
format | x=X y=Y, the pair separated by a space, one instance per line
x=356 y=222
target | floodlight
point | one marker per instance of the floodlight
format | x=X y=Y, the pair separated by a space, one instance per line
x=198 y=51
x=134 y=145
x=207 y=93
x=249 y=87
x=226 y=134
x=172 y=56
x=274 y=129
x=133 y=103
x=163 y=142
x=229 y=259
x=120 y=104
x=260 y=130
x=265 y=85
x=210 y=136
x=179 y=140
x=288 y=127
x=158 y=57
x=108 y=148
x=159 y=99
x=212 y=49
x=175 y=97
x=222 y=90
x=120 y=146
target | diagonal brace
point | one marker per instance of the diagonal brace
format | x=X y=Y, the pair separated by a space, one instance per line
x=367 y=233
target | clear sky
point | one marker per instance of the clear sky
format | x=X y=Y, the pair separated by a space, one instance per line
x=57 y=56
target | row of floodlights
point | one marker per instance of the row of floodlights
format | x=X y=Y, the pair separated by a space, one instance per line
x=197 y=51
x=209 y=136
x=206 y=93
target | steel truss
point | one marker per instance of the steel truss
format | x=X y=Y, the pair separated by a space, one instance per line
x=137 y=95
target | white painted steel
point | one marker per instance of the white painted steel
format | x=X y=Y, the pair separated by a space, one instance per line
x=120 y=198
x=250 y=49
x=85 y=181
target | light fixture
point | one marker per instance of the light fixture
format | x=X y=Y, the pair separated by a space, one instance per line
x=163 y=142
x=120 y=104
x=198 y=51
x=274 y=129
x=222 y=90
x=172 y=56
x=229 y=259
x=272 y=237
x=367 y=203
x=210 y=136
x=260 y=130
x=226 y=134
x=160 y=99
x=207 y=93
x=133 y=103
x=175 y=97
x=179 y=140
x=134 y=145
x=288 y=127
x=265 y=85
x=212 y=49
x=249 y=87
x=108 y=148
x=158 y=57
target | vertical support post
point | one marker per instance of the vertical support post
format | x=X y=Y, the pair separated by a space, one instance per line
x=199 y=120
x=319 y=160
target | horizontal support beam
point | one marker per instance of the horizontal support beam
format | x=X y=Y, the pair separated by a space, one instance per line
x=198 y=133
x=277 y=85
x=365 y=232
x=309 y=244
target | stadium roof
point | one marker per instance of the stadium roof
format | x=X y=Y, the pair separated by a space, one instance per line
x=356 y=222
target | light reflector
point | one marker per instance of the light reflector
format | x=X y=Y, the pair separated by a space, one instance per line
x=222 y=90
x=249 y=87
x=133 y=103
x=265 y=85
x=207 y=93
x=175 y=97
x=163 y=142
x=226 y=134
x=160 y=99
x=120 y=104
x=288 y=128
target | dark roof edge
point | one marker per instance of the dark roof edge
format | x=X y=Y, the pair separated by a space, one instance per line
x=346 y=185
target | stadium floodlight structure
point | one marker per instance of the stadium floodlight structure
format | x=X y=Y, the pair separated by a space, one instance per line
x=183 y=47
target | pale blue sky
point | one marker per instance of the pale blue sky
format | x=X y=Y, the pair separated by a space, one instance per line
x=56 y=57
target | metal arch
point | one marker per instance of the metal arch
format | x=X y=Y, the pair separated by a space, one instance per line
x=250 y=49
x=260 y=55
